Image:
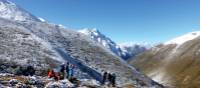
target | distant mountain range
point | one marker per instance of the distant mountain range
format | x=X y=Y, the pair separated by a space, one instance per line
x=26 y=40
x=125 y=50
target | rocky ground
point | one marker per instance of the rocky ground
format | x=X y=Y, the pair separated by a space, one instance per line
x=14 y=81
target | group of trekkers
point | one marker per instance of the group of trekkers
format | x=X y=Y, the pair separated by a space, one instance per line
x=110 y=78
x=66 y=71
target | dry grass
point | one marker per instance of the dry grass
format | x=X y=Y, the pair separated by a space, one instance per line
x=19 y=78
x=183 y=67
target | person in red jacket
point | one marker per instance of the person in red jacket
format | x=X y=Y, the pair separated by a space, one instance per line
x=52 y=74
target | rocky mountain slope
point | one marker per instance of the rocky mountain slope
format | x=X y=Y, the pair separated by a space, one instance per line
x=174 y=63
x=45 y=46
x=14 y=81
x=29 y=42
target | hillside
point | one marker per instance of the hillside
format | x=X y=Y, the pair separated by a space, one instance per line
x=173 y=64
x=44 y=45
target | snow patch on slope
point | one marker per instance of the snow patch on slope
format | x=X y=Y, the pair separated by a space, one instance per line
x=160 y=77
x=88 y=31
x=182 y=39
x=41 y=19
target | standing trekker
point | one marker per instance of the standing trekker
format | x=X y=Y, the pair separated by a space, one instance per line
x=71 y=71
x=113 y=80
x=62 y=71
x=30 y=71
x=67 y=70
x=109 y=79
x=105 y=76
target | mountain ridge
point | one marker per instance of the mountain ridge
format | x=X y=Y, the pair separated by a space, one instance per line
x=182 y=39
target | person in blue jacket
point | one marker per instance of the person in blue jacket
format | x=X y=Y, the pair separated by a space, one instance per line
x=71 y=71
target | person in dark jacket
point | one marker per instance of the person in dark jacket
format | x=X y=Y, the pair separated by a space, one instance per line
x=110 y=78
x=105 y=76
x=62 y=67
x=113 y=80
x=62 y=71
x=30 y=71
x=67 y=70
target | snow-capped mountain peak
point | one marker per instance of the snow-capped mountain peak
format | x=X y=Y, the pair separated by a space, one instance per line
x=9 y=10
x=182 y=39
x=100 y=38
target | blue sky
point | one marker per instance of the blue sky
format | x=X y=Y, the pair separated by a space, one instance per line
x=122 y=20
